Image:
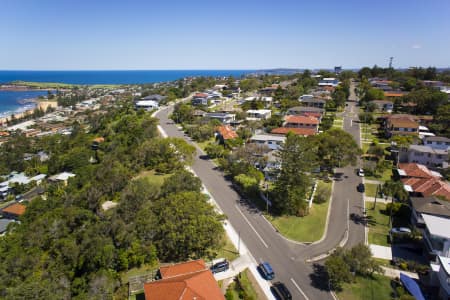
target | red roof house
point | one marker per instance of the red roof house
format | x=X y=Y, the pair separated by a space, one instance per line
x=185 y=281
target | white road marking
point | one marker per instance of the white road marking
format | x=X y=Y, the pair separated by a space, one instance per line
x=296 y=285
x=251 y=226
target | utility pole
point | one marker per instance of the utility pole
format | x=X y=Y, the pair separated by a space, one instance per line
x=239 y=242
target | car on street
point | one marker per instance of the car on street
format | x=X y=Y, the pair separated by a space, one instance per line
x=266 y=271
x=361 y=188
x=220 y=267
x=400 y=230
x=280 y=291
x=360 y=172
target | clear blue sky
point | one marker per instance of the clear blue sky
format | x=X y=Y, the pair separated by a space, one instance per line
x=132 y=34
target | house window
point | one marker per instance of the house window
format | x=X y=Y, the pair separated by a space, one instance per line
x=439 y=143
x=429 y=142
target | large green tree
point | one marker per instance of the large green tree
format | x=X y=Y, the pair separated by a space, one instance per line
x=298 y=157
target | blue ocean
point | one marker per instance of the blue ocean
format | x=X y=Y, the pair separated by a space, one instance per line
x=9 y=100
x=112 y=77
x=12 y=101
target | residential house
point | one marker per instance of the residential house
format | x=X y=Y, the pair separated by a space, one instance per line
x=384 y=105
x=400 y=125
x=332 y=82
x=297 y=131
x=308 y=122
x=155 y=97
x=313 y=102
x=392 y=95
x=381 y=84
x=304 y=97
x=4 y=225
x=225 y=132
x=425 y=155
x=437 y=142
x=430 y=206
x=146 y=105
x=13 y=211
x=200 y=99
x=436 y=235
x=224 y=118
x=268 y=91
x=419 y=181
x=273 y=142
x=61 y=177
x=302 y=110
x=444 y=277
x=184 y=281
x=258 y=114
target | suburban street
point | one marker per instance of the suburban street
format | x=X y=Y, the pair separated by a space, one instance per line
x=263 y=241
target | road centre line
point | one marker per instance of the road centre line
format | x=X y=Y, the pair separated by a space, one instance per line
x=251 y=226
x=296 y=285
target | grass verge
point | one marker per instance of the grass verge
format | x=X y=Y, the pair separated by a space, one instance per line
x=242 y=288
x=228 y=251
x=376 y=288
x=378 y=224
x=304 y=229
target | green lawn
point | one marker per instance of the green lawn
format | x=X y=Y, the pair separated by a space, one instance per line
x=153 y=177
x=228 y=250
x=303 y=229
x=371 y=189
x=386 y=176
x=378 y=224
x=376 y=288
x=242 y=283
x=203 y=145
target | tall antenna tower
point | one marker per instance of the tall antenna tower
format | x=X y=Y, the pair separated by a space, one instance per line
x=390 y=62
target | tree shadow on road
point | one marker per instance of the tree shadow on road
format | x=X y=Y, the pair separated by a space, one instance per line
x=319 y=278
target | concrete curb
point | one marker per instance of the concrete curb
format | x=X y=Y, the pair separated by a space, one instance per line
x=325 y=233
x=230 y=231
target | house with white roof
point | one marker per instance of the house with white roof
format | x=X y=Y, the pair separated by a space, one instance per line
x=444 y=277
x=329 y=82
x=437 y=142
x=61 y=177
x=146 y=105
x=436 y=235
x=258 y=114
x=272 y=141
x=426 y=155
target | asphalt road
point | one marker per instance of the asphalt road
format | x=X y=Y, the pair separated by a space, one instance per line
x=264 y=243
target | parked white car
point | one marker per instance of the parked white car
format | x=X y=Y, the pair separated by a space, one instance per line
x=360 y=172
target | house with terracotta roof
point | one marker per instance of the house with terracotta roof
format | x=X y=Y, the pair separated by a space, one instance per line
x=184 y=281
x=297 y=131
x=401 y=125
x=394 y=94
x=224 y=133
x=307 y=122
x=200 y=99
x=13 y=211
x=419 y=181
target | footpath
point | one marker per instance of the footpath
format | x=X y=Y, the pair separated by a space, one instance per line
x=245 y=259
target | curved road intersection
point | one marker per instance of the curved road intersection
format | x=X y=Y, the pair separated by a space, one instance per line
x=264 y=243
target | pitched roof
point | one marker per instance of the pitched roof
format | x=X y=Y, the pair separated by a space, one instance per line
x=15 y=209
x=200 y=95
x=437 y=226
x=428 y=186
x=394 y=94
x=182 y=268
x=403 y=122
x=416 y=170
x=301 y=120
x=227 y=132
x=185 y=281
x=431 y=205
x=298 y=131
